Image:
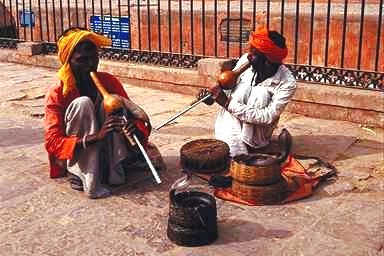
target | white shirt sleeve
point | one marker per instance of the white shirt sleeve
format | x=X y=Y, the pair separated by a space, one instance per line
x=243 y=59
x=267 y=115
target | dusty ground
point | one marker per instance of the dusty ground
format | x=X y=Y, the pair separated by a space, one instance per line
x=41 y=216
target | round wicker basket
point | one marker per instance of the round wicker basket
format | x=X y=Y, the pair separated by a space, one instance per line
x=250 y=170
x=205 y=156
x=262 y=195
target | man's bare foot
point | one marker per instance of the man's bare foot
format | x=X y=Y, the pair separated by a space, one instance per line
x=99 y=192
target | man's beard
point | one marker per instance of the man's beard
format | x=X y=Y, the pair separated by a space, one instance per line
x=254 y=63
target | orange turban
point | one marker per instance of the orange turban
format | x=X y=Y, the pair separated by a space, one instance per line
x=261 y=41
x=66 y=44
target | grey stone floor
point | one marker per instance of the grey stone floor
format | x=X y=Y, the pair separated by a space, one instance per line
x=41 y=216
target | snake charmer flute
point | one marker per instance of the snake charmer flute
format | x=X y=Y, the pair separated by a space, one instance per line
x=227 y=81
x=111 y=104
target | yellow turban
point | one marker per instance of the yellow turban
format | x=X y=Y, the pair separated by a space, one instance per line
x=66 y=44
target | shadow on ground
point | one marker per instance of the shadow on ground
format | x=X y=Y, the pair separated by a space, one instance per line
x=237 y=230
x=146 y=183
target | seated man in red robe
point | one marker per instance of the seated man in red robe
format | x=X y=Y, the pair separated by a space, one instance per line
x=79 y=136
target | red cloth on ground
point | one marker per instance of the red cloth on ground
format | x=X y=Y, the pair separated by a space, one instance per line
x=58 y=145
x=261 y=41
x=300 y=184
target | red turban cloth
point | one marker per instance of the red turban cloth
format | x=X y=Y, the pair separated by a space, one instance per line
x=261 y=41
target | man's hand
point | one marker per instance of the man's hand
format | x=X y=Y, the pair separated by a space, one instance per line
x=203 y=93
x=129 y=129
x=222 y=99
x=219 y=96
x=112 y=123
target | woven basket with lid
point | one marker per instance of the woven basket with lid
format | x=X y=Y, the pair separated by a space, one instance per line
x=262 y=195
x=205 y=156
x=252 y=170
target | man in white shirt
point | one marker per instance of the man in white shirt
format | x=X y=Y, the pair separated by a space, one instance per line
x=252 y=109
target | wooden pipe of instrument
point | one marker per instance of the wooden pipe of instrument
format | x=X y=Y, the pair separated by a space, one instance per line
x=111 y=103
x=227 y=80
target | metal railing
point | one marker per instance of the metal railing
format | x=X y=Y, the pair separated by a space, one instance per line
x=336 y=42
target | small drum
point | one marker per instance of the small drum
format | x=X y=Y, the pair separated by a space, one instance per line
x=205 y=156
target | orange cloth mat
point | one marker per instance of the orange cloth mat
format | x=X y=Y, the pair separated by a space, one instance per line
x=300 y=184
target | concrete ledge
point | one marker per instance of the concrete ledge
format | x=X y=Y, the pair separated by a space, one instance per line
x=47 y=61
x=169 y=75
x=29 y=48
x=332 y=112
x=321 y=101
x=340 y=96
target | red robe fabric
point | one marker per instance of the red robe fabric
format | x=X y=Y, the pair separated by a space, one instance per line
x=58 y=145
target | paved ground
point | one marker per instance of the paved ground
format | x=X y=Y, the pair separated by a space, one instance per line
x=41 y=216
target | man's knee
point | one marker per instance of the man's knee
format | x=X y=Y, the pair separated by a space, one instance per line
x=83 y=102
x=80 y=106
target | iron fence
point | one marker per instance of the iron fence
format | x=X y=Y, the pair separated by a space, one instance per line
x=337 y=42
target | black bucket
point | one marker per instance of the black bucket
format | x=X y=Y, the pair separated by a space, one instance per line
x=192 y=218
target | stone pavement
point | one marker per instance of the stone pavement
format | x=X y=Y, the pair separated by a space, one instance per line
x=42 y=216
